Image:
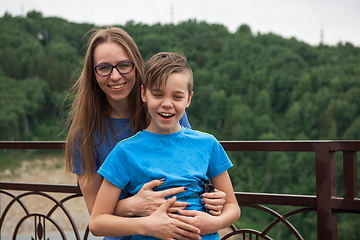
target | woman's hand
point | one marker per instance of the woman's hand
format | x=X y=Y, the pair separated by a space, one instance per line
x=214 y=201
x=164 y=227
x=146 y=201
x=201 y=220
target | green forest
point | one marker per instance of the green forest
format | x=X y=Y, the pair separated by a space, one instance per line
x=247 y=86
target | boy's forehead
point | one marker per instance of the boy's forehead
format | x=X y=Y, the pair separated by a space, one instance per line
x=160 y=82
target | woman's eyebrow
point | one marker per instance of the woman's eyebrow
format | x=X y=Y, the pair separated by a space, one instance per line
x=121 y=61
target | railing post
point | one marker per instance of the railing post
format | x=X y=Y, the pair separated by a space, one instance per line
x=350 y=175
x=325 y=190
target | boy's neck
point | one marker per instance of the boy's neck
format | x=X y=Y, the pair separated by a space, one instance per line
x=154 y=128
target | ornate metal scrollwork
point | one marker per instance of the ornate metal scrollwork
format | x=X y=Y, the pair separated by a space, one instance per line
x=40 y=219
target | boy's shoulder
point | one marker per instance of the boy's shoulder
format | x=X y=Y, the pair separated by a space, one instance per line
x=199 y=134
x=130 y=139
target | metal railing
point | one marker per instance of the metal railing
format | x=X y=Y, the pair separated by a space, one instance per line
x=326 y=204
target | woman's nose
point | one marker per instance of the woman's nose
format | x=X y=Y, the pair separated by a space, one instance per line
x=115 y=75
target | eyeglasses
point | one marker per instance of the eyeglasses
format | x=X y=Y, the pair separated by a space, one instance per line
x=106 y=69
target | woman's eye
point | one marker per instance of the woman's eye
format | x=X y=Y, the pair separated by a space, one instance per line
x=123 y=65
x=104 y=67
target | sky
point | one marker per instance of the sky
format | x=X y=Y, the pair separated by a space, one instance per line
x=310 y=21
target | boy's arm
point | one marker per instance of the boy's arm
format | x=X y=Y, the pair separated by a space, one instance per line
x=102 y=221
x=231 y=211
x=159 y=224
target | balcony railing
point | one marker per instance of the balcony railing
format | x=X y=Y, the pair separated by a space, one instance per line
x=326 y=204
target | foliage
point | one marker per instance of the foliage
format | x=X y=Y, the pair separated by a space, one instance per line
x=246 y=87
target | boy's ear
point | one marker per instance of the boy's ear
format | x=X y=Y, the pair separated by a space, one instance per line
x=189 y=100
x=143 y=97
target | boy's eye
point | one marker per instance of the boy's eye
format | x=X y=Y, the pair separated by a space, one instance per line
x=155 y=94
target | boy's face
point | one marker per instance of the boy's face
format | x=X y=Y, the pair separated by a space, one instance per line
x=167 y=104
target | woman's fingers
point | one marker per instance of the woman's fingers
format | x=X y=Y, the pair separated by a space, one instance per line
x=152 y=184
x=172 y=191
x=185 y=229
x=168 y=228
x=214 y=205
x=214 y=201
x=149 y=201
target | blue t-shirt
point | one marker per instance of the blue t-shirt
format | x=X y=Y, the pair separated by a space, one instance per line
x=104 y=147
x=186 y=158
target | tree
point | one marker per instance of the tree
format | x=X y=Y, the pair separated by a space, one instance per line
x=244 y=28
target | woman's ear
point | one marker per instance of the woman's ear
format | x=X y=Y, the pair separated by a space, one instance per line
x=143 y=97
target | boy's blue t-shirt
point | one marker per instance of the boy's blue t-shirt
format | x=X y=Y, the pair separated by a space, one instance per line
x=186 y=158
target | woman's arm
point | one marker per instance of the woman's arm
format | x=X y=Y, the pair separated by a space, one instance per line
x=89 y=191
x=208 y=223
x=159 y=225
x=146 y=201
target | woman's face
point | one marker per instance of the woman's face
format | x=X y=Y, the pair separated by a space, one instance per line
x=116 y=86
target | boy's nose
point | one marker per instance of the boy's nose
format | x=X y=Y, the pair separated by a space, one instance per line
x=166 y=104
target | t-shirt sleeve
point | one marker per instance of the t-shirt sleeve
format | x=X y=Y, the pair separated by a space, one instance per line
x=219 y=161
x=184 y=121
x=115 y=168
x=78 y=159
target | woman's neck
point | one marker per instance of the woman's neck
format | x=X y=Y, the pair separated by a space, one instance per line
x=119 y=109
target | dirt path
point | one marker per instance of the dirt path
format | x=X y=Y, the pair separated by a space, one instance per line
x=48 y=171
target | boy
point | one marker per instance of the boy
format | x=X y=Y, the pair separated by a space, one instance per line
x=165 y=150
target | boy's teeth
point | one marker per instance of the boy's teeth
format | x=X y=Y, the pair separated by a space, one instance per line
x=166 y=115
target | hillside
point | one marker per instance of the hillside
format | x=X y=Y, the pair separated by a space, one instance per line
x=247 y=86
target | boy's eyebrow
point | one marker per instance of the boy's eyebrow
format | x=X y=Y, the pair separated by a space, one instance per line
x=180 y=91
x=155 y=90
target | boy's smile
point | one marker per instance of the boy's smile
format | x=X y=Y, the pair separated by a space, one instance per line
x=167 y=104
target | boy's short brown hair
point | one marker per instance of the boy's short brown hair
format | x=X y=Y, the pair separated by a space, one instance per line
x=161 y=65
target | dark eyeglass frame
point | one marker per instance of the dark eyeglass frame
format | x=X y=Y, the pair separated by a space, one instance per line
x=114 y=66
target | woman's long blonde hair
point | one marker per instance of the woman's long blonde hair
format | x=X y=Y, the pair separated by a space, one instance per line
x=90 y=106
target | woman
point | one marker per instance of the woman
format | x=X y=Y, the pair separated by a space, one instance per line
x=107 y=109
